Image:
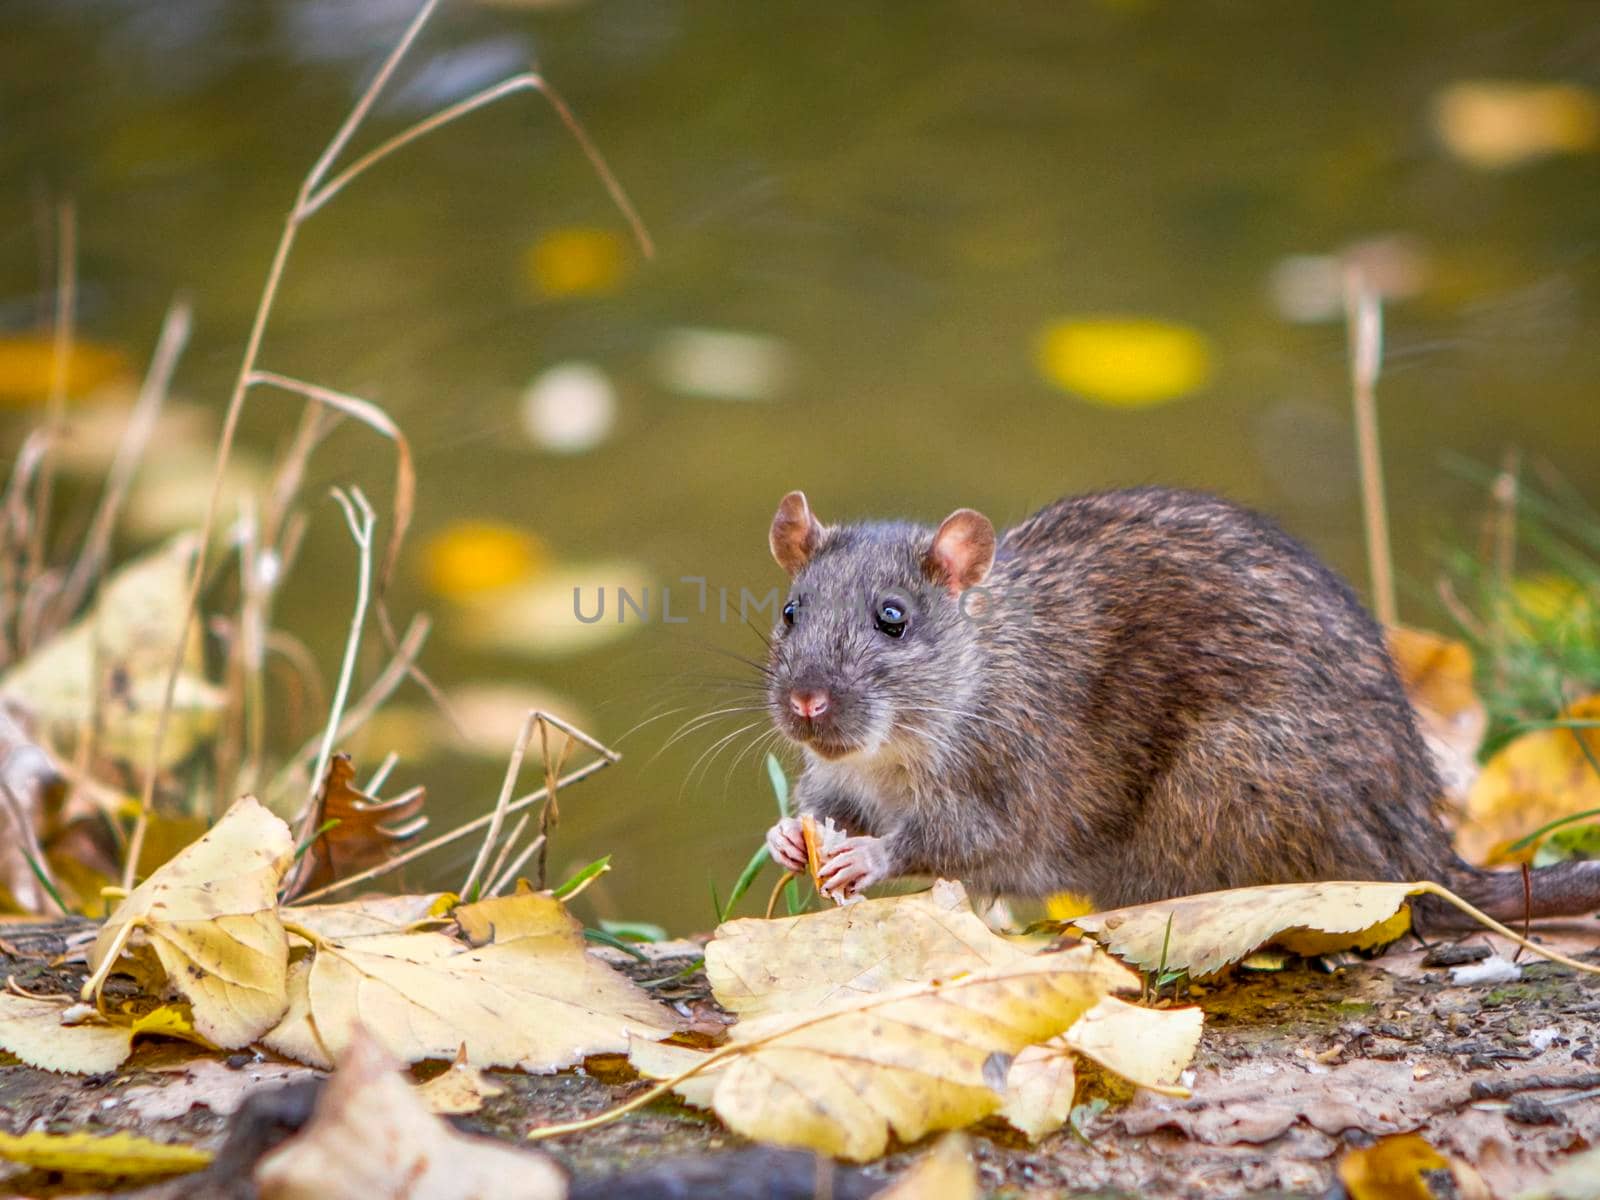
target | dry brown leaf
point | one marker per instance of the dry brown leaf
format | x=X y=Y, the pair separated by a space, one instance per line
x=369 y=831
x=795 y=964
x=123 y=651
x=1539 y=777
x=370 y=1138
x=946 y=1172
x=910 y=1060
x=206 y=926
x=1438 y=676
x=32 y=1030
x=525 y=994
x=461 y=1088
x=1040 y=1087
x=1202 y=934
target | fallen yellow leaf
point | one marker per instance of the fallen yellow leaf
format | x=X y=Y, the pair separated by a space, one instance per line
x=112 y=665
x=577 y=262
x=1438 y=676
x=371 y=914
x=795 y=964
x=28 y=367
x=1542 y=775
x=910 y=1060
x=1391 y=1169
x=101 y=1154
x=32 y=1030
x=1202 y=934
x=526 y=993
x=371 y=1137
x=461 y=1088
x=207 y=924
x=1040 y=1087
x=1124 y=362
x=1064 y=906
x=946 y=1172
x=1150 y=1047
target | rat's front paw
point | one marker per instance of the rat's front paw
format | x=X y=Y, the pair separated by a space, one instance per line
x=786 y=842
x=853 y=865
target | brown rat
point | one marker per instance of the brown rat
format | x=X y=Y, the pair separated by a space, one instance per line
x=1131 y=695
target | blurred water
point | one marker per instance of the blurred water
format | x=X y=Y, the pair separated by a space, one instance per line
x=900 y=197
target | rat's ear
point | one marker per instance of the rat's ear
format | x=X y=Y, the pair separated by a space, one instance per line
x=796 y=533
x=962 y=551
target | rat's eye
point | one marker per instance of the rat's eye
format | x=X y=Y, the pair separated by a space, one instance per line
x=789 y=611
x=891 y=618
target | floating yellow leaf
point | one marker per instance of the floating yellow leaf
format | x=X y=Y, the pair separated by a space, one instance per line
x=1391 y=1169
x=1124 y=362
x=526 y=994
x=1541 y=776
x=28 y=367
x=101 y=1154
x=371 y=1137
x=468 y=558
x=795 y=964
x=910 y=1060
x=207 y=923
x=1202 y=934
x=577 y=262
x=1039 y=1089
x=32 y=1030
x=946 y=1172
x=1493 y=125
x=460 y=1089
x=1437 y=673
x=123 y=651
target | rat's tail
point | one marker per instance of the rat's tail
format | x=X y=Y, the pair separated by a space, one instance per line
x=1569 y=889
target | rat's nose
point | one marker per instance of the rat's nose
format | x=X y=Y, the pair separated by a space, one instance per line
x=808 y=702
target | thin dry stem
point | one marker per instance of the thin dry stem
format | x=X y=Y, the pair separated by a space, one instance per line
x=444 y=839
x=175 y=327
x=1364 y=318
x=509 y=875
x=533 y=720
x=359 y=517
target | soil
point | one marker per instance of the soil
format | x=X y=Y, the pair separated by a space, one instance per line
x=1298 y=1063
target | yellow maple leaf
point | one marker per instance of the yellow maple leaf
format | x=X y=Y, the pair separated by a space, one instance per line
x=1202 y=934
x=526 y=993
x=469 y=558
x=1040 y=1087
x=124 y=1154
x=459 y=1089
x=32 y=1030
x=206 y=923
x=910 y=1060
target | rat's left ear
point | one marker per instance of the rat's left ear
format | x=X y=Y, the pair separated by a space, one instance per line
x=962 y=551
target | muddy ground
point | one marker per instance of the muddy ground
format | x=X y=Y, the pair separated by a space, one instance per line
x=1295 y=1066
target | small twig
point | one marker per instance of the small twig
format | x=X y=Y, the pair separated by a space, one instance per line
x=359 y=517
x=509 y=875
x=1364 y=319
x=381 y=775
x=533 y=719
x=550 y=814
x=1497 y=1089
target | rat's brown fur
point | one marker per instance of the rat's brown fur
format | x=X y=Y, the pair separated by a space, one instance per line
x=1153 y=693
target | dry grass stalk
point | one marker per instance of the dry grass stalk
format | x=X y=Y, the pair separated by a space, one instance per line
x=316 y=190
x=1364 y=322
x=513 y=768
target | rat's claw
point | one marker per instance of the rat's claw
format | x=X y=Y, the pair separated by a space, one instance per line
x=856 y=864
x=786 y=842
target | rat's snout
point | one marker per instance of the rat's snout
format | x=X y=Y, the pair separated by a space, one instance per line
x=808 y=703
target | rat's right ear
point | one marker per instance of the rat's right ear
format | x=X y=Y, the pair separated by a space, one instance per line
x=796 y=533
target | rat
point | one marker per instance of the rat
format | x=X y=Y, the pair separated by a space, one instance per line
x=1131 y=695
